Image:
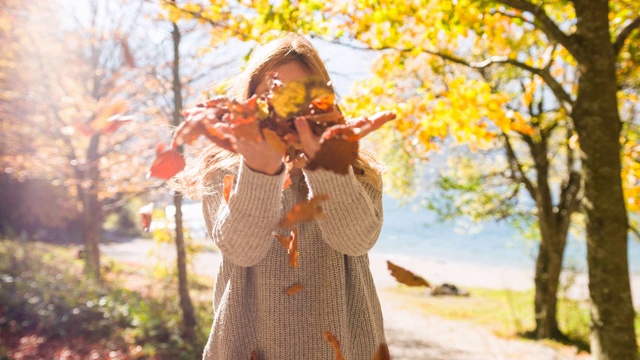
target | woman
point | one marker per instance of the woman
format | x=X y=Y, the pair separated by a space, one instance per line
x=252 y=311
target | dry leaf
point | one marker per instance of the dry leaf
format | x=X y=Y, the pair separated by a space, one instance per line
x=335 y=344
x=254 y=355
x=382 y=353
x=100 y=120
x=294 y=289
x=291 y=244
x=304 y=211
x=145 y=216
x=405 y=276
x=276 y=143
x=227 y=182
x=338 y=150
x=167 y=164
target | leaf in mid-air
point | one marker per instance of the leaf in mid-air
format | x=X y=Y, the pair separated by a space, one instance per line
x=382 y=353
x=99 y=121
x=167 y=163
x=254 y=355
x=114 y=123
x=291 y=244
x=304 y=211
x=294 y=289
x=227 y=182
x=335 y=344
x=405 y=276
x=145 y=216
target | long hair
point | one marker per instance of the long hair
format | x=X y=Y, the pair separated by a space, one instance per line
x=195 y=181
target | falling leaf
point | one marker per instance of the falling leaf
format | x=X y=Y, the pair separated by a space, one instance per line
x=324 y=102
x=227 y=186
x=382 y=353
x=405 y=276
x=167 y=164
x=335 y=344
x=291 y=244
x=99 y=121
x=304 y=211
x=145 y=216
x=254 y=355
x=294 y=289
x=114 y=123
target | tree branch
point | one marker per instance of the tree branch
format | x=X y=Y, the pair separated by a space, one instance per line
x=546 y=24
x=624 y=34
x=533 y=191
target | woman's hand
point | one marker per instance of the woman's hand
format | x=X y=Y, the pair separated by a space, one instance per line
x=257 y=154
x=361 y=126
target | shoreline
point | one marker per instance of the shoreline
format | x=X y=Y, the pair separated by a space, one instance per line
x=471 y=275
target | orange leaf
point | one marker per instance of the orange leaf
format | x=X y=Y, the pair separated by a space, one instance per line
x=276 y=143
x=228 y=185
x=102 y=117
x=254 y=355
x=287 y=181
x=405 y=276
x=325 y=102
x=304 y=211
x=338 y=150
x=335 y=344
x=294 y=289
x=291 y=244
x=167 y=164
x=114 y=123
x=382 y=353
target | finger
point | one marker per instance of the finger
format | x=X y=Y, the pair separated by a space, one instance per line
x=374 y=122
x=310 y=143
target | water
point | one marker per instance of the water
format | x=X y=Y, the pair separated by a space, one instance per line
x=415 y=232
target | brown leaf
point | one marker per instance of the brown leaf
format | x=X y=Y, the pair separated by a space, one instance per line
x=227 y=186
x=254 y=355
x=294 y=289
x=382 y=353
x=405 y=276
x=338 y=150
x=304 y=211
x=335 y=344
x=291 y=244
x=167 y=164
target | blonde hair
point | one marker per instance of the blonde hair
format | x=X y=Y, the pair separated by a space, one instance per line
x=196 y=179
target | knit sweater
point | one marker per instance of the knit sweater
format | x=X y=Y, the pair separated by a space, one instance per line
x=252 y=311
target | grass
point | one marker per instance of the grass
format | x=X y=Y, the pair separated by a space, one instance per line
x=506 y=313
x=47 y=307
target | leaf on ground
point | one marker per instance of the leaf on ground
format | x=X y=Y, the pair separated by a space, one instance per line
x=405 y=276
x=291 y=244
x=167 y=164
x=382 y=353
x=294 y=289
x=304 y=211
x=227 y=182
x=335 y=344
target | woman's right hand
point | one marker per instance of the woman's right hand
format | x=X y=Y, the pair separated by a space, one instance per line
x=257 y=153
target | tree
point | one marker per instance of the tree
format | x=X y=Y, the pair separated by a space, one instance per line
x=595 y=39
x=69 y=90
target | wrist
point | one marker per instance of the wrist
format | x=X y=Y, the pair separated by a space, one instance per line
x=267 y=169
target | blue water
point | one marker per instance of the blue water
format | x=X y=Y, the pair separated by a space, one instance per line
x=415 y=232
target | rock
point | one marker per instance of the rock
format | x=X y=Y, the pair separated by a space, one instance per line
x=448 y=289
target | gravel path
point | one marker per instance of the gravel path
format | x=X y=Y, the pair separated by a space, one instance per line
x=411 y=336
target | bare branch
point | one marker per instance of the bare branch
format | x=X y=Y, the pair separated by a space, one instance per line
x=511 y=154
x=624 y=34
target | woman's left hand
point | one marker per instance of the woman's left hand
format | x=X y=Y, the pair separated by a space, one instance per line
x=361 y=126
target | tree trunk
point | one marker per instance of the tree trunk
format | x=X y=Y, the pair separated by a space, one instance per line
x=547 y=280
x=92 y=210
x=597 y=122
x=188 y=316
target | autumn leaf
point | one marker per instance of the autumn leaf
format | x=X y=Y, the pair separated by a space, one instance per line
x=254 y=355
x=382 y=353
x=304 y=211
x=335 y=344
x=145 y=213
x=294 y=289
x=167 y=163
x=405 y=276
x=276 y=143
x=338 y=150
x=100 y=120
x=114 y=123
x=291 y=244
x=227 y=186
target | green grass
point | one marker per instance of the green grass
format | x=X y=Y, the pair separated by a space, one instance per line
x=506 y=313
x=44 y=294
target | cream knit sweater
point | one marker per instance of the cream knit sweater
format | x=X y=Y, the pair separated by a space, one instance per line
x=252 y=310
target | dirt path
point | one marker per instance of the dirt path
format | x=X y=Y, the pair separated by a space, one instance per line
x=411 y=336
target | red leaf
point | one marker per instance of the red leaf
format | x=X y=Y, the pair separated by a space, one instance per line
x=145 y=213
x=167 y=164
x=304 y=211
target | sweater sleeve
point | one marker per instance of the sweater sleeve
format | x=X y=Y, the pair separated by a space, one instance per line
x=242 y=229
x=352 y=216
